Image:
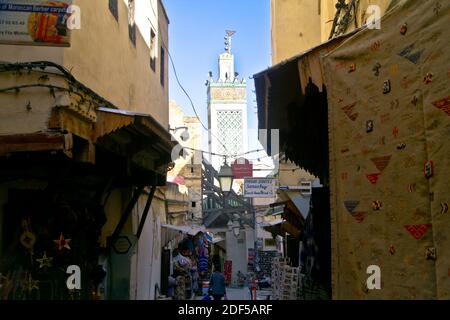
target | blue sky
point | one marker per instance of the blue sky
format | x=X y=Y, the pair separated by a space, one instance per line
x=196 y=32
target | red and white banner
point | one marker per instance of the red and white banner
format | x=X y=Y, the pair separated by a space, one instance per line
x=242 y=168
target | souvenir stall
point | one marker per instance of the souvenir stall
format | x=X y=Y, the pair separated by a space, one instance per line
x=191 y=265
x=182 y=266
x=43 y=239
x=202 y=254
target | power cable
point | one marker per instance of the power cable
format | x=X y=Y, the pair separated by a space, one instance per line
x=40 y=66
x=224 y=155
x=181 y=86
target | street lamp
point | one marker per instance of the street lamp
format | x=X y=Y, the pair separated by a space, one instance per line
x=259 y=219
x=225 y=178
x=230 y=225
x=236 y=228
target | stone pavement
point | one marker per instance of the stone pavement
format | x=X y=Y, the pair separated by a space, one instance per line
x=243 y=294
x=238 y=293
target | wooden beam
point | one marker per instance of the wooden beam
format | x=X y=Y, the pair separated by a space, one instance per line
x=146 y=210
x=125 y=216
x=32 y=142
x=291 y=229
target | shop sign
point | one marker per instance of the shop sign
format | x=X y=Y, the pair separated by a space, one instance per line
x=242 y=168
x=122 y=245
x=228 y=266
x=35 y=22
x=260 y=188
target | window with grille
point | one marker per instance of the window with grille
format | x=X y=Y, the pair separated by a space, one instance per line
x=113 y=8
x=131 y=22
x=230 y=133
x=152 y=49
x=162 y=66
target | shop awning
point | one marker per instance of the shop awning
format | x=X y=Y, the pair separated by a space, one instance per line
x=296 y=202
x=77 y=123
x=190 y=230
x=85 y=127
x=217 y=239
x=272 y=223
x=274 y=227
x=110 y=120
x=292 y=220
x=291 y=97
x=137 y=137
x=132 y=144
x=281 y=227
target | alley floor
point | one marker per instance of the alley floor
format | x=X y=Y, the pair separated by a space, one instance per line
x=243 y=294
x=238 y=294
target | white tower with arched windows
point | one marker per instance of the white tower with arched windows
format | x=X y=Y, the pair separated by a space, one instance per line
x=227 y=109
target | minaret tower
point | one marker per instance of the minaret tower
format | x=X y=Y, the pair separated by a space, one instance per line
x=227 y=109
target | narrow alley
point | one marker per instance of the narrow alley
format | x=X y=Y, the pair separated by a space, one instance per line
x=266 y=150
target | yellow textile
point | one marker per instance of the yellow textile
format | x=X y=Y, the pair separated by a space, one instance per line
x=385 y=166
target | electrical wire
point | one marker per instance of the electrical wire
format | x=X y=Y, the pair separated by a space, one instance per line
x=192 y=103
x=181 y=86
x=72 y=81
x=224 y=155
x=293 y=170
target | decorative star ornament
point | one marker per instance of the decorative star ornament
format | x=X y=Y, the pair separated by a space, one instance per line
x=5 y=281
x=30 y=284
x=62 y=243
x=45 y=261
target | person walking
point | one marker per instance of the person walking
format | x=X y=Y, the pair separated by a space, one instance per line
x=251 y=283
x=217 y=284
x=241 y=279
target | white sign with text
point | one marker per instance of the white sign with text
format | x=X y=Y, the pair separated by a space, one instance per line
x=260 y=188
